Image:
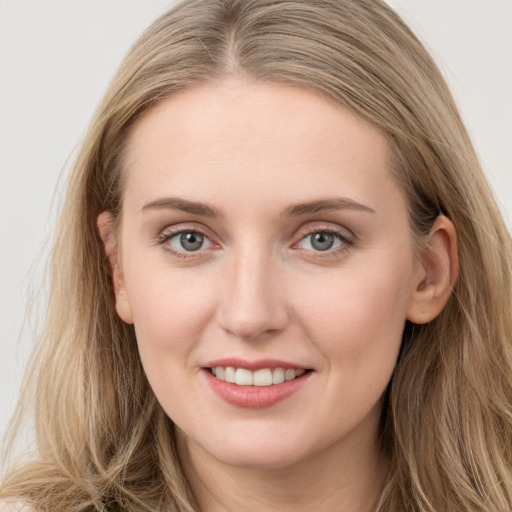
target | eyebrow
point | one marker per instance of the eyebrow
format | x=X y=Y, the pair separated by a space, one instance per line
x=294 y=210
x=336 y=203
x=175 y=203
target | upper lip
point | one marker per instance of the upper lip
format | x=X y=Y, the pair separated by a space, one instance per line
x=253 y=365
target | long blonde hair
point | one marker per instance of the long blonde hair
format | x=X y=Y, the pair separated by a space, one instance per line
x=104 y=443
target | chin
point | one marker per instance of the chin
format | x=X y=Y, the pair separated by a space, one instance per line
x=247 y=450
x=259 y=457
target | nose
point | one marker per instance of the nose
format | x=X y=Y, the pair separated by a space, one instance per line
x=252 y=304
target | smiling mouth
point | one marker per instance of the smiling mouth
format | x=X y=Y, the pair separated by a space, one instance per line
x=262 y=377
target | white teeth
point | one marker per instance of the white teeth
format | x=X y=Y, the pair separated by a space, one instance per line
x=289 y=375
x=263 y=377
x=278 y=376
x=229 y=376
x=243 y=377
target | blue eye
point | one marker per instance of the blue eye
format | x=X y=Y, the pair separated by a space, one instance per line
x=189 y=241
x=322 y=241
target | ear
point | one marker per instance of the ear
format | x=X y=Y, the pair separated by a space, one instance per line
x=436 y=273
x=106 y=229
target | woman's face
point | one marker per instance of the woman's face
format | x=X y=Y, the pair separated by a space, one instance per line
x=263 y=238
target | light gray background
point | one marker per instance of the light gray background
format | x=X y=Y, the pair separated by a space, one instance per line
x=57 y=57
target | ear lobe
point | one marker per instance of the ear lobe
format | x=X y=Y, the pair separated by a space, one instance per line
x=106 y=230
x=438 y=267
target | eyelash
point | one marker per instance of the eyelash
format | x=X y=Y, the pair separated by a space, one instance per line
x=345 y=240
x=169 y=234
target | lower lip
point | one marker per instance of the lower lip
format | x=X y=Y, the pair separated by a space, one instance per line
x=255 y=397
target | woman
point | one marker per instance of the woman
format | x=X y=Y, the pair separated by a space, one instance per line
x=280 y=280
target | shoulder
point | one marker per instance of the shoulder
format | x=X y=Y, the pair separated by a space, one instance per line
x=14 y=506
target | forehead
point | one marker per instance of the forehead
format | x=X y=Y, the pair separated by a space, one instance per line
x=254 y=137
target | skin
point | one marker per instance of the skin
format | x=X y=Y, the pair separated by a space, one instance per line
x=258 y=288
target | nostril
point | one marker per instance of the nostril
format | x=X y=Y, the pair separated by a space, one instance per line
x=251 y=303
x=244 y=322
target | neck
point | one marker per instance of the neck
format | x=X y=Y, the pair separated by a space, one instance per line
x=347 y=476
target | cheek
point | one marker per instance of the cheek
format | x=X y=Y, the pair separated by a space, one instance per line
x=170 y=310
x=356 y=318
x=356 y=324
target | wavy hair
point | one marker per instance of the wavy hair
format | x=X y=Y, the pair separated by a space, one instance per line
x=103 y=441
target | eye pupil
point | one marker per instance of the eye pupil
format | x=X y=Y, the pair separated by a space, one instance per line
x=322 y=241
x=191 y=241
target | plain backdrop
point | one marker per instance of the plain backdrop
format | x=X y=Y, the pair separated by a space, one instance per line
x=56 y=59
